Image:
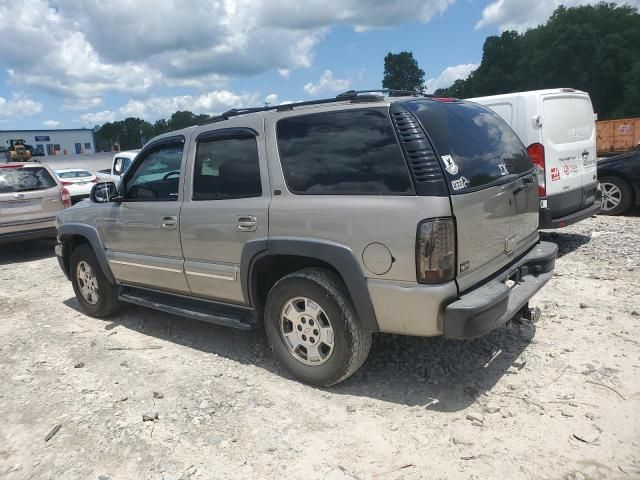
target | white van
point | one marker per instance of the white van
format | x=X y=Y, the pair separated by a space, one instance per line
x=558 y=128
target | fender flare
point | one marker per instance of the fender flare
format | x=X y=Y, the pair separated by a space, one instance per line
x=91 y=234
x=340 y=257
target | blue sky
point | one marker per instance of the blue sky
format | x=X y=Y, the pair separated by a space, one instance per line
x=72 y=63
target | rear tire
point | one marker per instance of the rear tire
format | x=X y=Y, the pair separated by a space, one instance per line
x=97 y=296
x=313 y=328
x=617 y=195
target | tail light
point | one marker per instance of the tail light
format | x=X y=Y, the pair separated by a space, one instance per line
x=436 y=251
x=65 y=196
x=65 y=183
x=536 y=153
x=95 y=180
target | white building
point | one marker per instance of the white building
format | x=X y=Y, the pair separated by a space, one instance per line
x=53 y=142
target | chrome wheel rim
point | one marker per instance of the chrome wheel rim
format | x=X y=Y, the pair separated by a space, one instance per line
x=307 y=331
x=611 y=196
x=87 y=282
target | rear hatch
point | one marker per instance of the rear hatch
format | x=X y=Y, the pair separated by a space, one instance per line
x=29 y=198
x=492 y=185
x=569 y=138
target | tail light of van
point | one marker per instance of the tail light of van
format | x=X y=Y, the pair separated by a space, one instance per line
x=536 y=153
x=436 y=251
x=65 y=196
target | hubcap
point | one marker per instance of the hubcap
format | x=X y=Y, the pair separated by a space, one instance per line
x=611 y=196
x=87 y=282
x=306 y=331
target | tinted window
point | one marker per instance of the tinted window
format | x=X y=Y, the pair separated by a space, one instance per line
x=25 y=179
x=74 y=174
x=349 y=152
x=226 y=168
x=476 y=147
x=157 y=176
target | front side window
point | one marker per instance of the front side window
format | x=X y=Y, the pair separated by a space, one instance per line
x=157 y=176
x=351 y=152
x=226 y=168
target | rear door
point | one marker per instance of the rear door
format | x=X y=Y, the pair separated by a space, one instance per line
x=226 y=205
x=29 y=198
x=491 y=181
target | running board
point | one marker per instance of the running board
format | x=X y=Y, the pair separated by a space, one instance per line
x=221 y=314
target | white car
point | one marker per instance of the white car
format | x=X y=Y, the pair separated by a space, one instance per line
x=120 y=164
x=559 y=130
x=78 y=181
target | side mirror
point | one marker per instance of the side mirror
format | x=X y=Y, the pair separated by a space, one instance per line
x=104 y=192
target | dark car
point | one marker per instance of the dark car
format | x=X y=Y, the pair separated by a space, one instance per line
x=619 y=178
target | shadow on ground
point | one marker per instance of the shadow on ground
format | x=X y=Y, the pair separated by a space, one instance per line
x=567 y=242
x=449 y=375
x=26 y=251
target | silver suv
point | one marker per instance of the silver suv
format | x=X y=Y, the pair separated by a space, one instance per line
x=325 y=222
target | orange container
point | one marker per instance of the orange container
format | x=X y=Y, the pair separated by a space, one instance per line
x=617 y=136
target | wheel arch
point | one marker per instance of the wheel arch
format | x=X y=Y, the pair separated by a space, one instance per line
x=71 y=235
x=264 y=262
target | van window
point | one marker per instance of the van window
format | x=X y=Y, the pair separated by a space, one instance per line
x=476 y=146
x=505 y=110
x=558 y=120
x=227 y=168
x=584 y=121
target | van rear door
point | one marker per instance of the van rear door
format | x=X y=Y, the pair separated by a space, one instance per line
x=491 y=181
x=568 y=136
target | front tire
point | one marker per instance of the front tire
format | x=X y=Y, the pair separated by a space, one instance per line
x=96 y=295
x=617 y=195
x=313 y=328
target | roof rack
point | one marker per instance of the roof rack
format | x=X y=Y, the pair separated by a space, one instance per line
x=353 y=95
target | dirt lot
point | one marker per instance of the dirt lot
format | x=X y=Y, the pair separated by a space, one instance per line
x=556 y=400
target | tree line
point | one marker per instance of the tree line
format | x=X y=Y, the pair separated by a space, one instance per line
x=595 y=48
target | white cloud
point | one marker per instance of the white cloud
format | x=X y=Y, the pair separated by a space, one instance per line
x=84 y=49
x=326 y=83
x=52 y=123
x=523 y=14
x=450 y=75
x=154 y=108
x=82 y=103
x=18 y=106
x=271 y=99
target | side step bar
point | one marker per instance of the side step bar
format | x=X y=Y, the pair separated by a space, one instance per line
x=221 y=314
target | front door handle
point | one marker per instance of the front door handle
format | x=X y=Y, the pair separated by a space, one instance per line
x=169 y=223
x=247 y=224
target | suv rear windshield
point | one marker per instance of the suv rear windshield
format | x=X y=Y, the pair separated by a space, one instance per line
x=476 y=147
x=353 y=152
x=24 y=179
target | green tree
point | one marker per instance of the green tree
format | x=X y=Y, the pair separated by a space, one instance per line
x=594 y=48
x=401 y=72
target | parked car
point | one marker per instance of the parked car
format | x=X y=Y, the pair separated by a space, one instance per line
x=121 y=162
x=558 y=128
x=325 y=221
x=30 y=198
x=620 y=182
x=77 y=181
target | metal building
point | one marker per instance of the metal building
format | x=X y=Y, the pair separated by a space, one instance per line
x=69 y=141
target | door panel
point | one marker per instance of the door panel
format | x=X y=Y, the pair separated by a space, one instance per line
x=142 y=233
x=226 y=205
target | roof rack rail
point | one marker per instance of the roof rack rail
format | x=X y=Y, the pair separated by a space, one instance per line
x=353 y=95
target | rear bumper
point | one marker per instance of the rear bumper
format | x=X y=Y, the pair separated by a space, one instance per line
x=481 y=310
x=48 y=232
x=547 y=219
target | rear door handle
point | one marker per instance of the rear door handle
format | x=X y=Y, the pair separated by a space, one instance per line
x=247 y=224
x=169 y=223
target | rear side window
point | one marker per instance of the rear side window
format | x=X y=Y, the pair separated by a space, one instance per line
x=349 y=152
x=476 y=146
x=227 y=168
x=25 y=179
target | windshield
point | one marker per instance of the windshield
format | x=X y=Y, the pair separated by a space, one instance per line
x=24 y=179
x=476 y=147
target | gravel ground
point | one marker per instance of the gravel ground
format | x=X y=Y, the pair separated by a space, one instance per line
x=145 y=395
